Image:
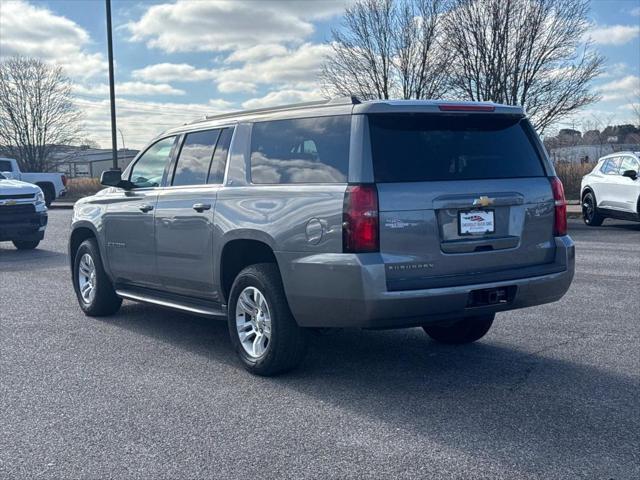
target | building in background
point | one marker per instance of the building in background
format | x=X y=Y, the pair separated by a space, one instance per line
x=89 y=162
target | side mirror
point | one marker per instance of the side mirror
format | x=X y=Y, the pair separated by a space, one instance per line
x=632 y=174
x=113 y=178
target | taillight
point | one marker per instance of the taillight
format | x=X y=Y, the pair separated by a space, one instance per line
x=560 y=223
x=64 y=180
x=360 y=232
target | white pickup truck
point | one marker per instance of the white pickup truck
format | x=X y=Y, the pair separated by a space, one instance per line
x=23 y=213
x=53 y=185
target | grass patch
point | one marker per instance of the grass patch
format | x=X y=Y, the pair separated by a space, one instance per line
x=82 y=187
x=571 y=175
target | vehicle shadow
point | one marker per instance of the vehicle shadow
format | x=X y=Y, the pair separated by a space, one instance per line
x=543 y=416
x=625 y=226
x=13 y=260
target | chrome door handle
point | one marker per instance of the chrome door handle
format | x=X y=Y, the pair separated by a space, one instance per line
x=145 y=208
x=201 y=207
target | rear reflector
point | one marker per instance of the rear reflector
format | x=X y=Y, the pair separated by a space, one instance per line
x=466 y=108
x=360 y=231
x=64 y=180
x=560 y=223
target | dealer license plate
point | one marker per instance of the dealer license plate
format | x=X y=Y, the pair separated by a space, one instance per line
x=476 y=222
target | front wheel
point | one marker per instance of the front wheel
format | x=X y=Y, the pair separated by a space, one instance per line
x=262 y=329
x=93 y=288
x=590 y=214
x=26 y=244
x=466 y=330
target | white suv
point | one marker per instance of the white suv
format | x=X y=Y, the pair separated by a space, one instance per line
x=612 y=189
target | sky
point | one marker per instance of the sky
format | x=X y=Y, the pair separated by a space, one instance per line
x=180 y=60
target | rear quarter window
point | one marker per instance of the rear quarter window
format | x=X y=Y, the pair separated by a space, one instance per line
x=305 y=150
x=416 y=148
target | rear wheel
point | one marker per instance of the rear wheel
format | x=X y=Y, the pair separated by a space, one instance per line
x=49 y=194
x=262 y=329
x=26 y=244
x=466 y=330
x=94 y=290
x=590 y=213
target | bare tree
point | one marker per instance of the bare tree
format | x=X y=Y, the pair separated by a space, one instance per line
x=635 y=106
x=387 y=49
x=36 y=111
x=523 y=52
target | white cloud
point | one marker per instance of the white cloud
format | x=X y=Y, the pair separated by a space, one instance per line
x=615 y=70
x=35 y=31
x=614 y=34
x=295 y=69
x=273 y=65
x=237 y=87
x=621 y=89
x=226 y=25
x=257 y=52
x=282 y=97
x=141 y=121
x=168 y=72
x=129 y=89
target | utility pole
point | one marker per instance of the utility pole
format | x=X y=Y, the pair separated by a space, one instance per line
x=112 y=92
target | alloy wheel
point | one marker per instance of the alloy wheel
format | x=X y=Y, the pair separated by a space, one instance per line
x=87 y=278
x=253 y=322
x=588 y=209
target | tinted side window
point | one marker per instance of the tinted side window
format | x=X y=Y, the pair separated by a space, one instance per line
x=149 y=169
x=610 y=166
x=307 y=150
x=195 y=156
x=5 y=166
x=216 y=173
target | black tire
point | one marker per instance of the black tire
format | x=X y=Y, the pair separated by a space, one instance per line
x=105 y=301
x=49 y=194
x=287 y=343
x=590 y=214
x=466 y=330
x=26 y=244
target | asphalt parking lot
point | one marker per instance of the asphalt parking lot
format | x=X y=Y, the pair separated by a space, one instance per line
x=551 y=392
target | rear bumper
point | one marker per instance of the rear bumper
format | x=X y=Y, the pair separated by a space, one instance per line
x=343 y=290
x=26 y=227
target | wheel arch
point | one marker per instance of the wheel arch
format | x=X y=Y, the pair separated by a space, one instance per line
x=81 y=232
x=240 y=251
x=585 y=190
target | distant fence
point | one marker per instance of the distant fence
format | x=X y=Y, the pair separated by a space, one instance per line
x=589 y=153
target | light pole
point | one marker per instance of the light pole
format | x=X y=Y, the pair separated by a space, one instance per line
x=112 y=93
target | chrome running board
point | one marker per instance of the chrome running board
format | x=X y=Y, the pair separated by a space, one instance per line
x=173 y=304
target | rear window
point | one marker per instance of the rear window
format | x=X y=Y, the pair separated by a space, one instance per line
x=305 y=150
x=418 y=148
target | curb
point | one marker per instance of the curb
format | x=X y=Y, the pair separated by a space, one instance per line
x=61 y=205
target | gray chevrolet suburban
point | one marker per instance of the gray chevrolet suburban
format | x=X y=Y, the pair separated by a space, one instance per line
x=341 y=213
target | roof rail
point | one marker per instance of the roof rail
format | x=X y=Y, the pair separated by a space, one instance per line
x=350 y=100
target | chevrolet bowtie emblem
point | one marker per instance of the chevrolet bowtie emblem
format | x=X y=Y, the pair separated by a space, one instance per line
x=483 y=202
